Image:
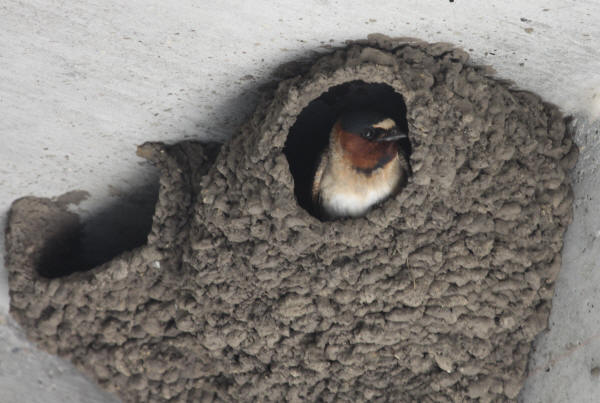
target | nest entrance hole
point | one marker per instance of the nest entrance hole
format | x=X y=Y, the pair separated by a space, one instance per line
x=309 y=135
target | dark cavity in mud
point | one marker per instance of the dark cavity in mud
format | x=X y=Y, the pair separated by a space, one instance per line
x=309 y=135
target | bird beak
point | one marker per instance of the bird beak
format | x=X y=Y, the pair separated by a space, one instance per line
x=392 y=135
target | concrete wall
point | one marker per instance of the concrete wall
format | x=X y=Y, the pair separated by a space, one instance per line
x=82 y=83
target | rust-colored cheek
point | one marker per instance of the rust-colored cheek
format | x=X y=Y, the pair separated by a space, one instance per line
x=365 y=154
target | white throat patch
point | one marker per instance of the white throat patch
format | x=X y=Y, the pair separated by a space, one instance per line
x=340 y=203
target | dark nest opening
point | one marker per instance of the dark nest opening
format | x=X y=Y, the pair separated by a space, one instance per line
x=309 y=135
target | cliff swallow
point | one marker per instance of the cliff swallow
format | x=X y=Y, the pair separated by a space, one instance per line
x=361 y=166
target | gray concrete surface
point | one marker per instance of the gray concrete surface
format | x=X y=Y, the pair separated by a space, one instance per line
x=82 y=83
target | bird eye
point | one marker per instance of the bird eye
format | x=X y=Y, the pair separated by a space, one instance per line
x=369 y=134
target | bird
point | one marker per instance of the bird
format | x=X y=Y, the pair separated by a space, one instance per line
x=361 y=166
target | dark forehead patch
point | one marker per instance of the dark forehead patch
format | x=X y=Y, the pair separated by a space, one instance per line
x=358 y=120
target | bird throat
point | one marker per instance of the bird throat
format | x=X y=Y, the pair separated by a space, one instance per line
x=380 y=163
x=367 y=156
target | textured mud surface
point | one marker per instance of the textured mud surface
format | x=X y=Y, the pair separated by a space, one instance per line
x=240 y=294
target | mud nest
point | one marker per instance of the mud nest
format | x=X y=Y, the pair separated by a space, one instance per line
x=240 y=294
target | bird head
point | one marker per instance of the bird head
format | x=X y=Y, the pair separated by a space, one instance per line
x=371 y=125
x=368 y=138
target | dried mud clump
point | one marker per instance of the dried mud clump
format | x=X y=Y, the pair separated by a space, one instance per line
x=242 y=295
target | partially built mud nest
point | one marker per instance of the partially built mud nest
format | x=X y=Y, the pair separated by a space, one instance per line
x=240 y=294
